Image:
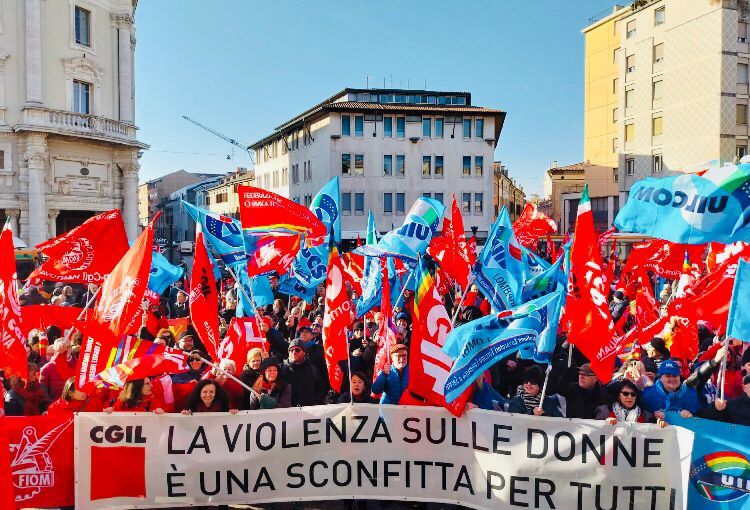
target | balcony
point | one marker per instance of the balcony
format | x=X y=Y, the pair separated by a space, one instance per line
x=78 y=124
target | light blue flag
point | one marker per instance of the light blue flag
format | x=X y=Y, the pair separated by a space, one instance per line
x=163 y=274
x=310 y=265
x=532 y=327
x=546 y=281
x=719 y=466
x=262 y=293
x=412 y=238
x=738 y=321
x=372 y=275
x=223 y=234
x=535 y=265
x=689 y=208
x=500 y=270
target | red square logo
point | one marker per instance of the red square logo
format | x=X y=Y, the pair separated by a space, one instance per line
x=118 y=472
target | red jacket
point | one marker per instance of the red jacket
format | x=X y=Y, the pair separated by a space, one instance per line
x=54 y=374
x=62 y=408
x=145 y=405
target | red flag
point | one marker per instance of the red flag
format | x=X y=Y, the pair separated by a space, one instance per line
x=464 y=256
x=203 y=300
x=646 y=308
x=429 y=366
x=12 y=350
x=551 y=248
x=177 y=326
x=336 y=318
x=122 y=293
x=386 y=334
x=41 y=461
x=146 y=359
x=664 y=258
x=353 y=268
x=531 y=225
x=274 y=253
x=590 y=324
x=42 y=316
x=605 y=236
x=242 y=336
x=86 y=254
x=262 y=212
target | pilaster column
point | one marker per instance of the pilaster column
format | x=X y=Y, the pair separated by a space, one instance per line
x=123 y=22
x=52 y=215
x=36 y=161
x=34 y=52
x=130 y=198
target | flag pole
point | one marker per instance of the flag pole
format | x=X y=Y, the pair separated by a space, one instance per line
x=403 y=289
x=570 y=354
x=461 y=301
x=69 y=331
x=723 y=373
x=544 y=387
x=227 y=374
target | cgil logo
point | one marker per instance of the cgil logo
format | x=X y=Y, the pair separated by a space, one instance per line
x=681 y=200
x=114 y=434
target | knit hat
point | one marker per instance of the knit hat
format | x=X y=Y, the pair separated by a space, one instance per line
x=296 y=343
x=534 y=375
x=403 y=315
x=269 y=362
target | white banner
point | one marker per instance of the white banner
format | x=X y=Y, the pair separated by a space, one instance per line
x=484 y=459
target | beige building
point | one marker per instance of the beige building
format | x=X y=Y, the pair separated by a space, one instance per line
x=223 y=198
x=68 y=145
x=507 y=193
x=559 y=181
x=152 y=193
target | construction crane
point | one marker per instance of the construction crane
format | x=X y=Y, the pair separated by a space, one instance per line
x=222 y=136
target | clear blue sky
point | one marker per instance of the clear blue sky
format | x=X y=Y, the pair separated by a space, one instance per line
x=243 y=67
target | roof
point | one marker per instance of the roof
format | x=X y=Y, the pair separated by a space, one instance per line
x=574 y=168
x=401 y=107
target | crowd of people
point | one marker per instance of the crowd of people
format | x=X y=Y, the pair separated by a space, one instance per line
x=291 y=370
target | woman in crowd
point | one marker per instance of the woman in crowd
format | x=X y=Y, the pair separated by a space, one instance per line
x=196 y=369
x=31 y=393
x=627 y=407
x=360 y=391
x=58 y=370
x=35 y=355
x=270 y=392
x=208 y=397
x=233 y=389
x=528 y=399
x=73 y=400
x=165 y=337
x=138 y=396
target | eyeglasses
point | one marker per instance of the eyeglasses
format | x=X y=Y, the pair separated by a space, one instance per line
x=399 y=356
x=628 y=393
x=295 y=349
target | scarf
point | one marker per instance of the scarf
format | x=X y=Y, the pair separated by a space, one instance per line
x=624 y=414
x=529 y=401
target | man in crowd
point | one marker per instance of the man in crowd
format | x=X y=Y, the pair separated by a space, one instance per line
x=394 y=378
x=308 y=388
x=583 y=397
x=179 y=308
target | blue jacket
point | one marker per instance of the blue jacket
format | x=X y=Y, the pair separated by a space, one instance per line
x=489 y=399
x=391 y=385
x=655 y=398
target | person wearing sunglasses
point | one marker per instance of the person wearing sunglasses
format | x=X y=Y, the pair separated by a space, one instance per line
x=626 y=408
x=393 y=379
x=308 y=388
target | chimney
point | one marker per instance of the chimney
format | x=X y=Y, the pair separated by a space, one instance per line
x=554 y=164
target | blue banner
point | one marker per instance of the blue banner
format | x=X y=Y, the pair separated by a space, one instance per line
x=258 y=288
x=720 y=467
x=500 y=270
x=531 y=328
x=689 y=208
x=163 y=274
x=738 y=323
x=222 y=233
x=372 y=275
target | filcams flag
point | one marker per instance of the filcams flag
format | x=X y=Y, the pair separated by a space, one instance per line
x=336 y=318
x=738 y=323
x=412 y=238
x=481 y=343
x=590 y=324
x=12 y=351
x=85 y=254
x=689 y=208
x=202 y=297
x=532 y=225
x=122 y=293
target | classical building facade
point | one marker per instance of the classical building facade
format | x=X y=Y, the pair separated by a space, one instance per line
x=68 y=145
x=388 y=147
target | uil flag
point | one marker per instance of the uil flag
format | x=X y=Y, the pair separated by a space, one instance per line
x=532 y=225
x=738 y=323
x=337 y=316
x=203 y=298
x=86 y=254
x=122 y=293
x=12 y=351
x=590 y=323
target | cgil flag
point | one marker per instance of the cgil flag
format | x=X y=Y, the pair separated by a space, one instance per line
x=690 y=208
x=738 y=321
x=12 y=340
x=479 y=344
x=336 y=318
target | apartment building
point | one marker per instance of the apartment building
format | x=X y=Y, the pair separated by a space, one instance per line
x=389 y=147
x=222 y=197
x=507 y=192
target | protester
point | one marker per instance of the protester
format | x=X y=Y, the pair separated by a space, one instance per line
x=308 y=388
x=528 y=398
x=60 y=367
x=626 y=408
x=138 y=396
x=358 y=393
x=72 y=400
x=736 y=410
x=270 y=392
x=486 y=397
x=196 y=369
x=583 y=397
x=30 y=392
x=393 y=379
x=179 y=308
x=208 y=397
x=224 y=376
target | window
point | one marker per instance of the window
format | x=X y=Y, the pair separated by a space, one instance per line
x=630 y=63
x=346 y=164
x=346 y=125
x=467 y=165
x=359 y=203
x=83 y=26
x=658 y=90
x=658 y=53
x=629 y=97
x=346 y=203
x=438 y=166
x=359 y=125
x=741 y=151
x=630 y=29
x=466 y=202
x=478 y=203
x=742 y=74
x=629 y=132
x=741 y=114
x=742 y=32
x=478 y=165
x=387 y=165
x=388 y=127
x=400 y=127
x=359 y=165
x=439 y=123
x=615 y=85
x=426 y=127
x=657 y=125
x=387 y=203
x=615 y=176
x=659 y=16
x=400 y=165
x=656 y=163
x=400 y=203
x=427 y=194
x=614 y=145
x=426 y=166
x=614 y=55
x=630 y=166
x=479 y=128
x=81 y=95
x=439 y=197
x=614 y=115
x=467 y=128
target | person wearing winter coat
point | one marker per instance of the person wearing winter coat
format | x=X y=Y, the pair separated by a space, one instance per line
x=528 y=398
x=734 y=410
x=394 y=378
x=270 y=392
x=306 y=381
x=627 y=407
